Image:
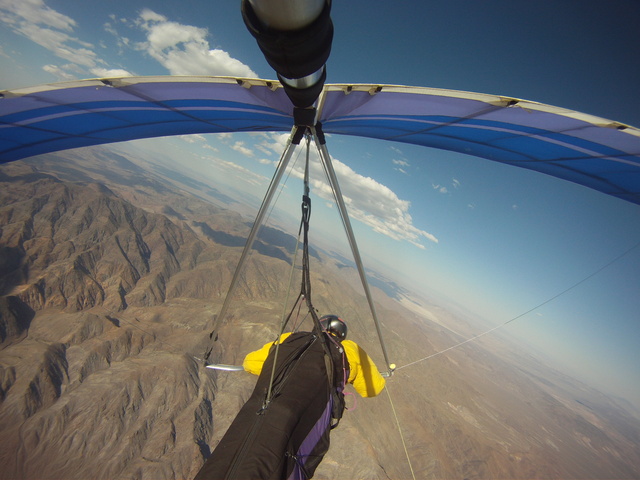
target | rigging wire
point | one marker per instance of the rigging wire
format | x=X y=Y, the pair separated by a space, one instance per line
x=549 y=300
x=404 y=444
x=596 y=272
x=275 y=180
x=337 y=196
x=283 y=184
x=285 y=320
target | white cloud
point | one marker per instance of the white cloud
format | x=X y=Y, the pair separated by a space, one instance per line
x=53 y=31
x=240 y=147
x=367 y=200
x=196 y=137
x=68 y=71
x=162 y=34
x=225 y=136
x=181 y=49
x=264 y=149
x=455 y=184
x=379 y=207
x=60 y=73
x=184 y=49
x=121 y=41
x=440 y=188
x=402 y=163
x=111 y=29
x=114 y=72
x=150 y=16
x=275 y=142
x=33 y=12
x=59 y=43
x=241 y=172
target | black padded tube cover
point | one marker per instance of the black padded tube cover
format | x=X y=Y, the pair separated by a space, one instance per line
x=295 y=54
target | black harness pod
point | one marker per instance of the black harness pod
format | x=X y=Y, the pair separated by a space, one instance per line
x=288 y=437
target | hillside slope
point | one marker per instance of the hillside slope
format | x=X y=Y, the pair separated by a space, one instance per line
x=107 y=293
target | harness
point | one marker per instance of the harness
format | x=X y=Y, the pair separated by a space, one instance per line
x=303 y=359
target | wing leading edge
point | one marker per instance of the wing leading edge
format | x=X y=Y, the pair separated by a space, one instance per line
x=584 y=149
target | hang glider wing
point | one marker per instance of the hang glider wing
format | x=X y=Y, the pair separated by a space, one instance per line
x=92 y=112
x=587 y=150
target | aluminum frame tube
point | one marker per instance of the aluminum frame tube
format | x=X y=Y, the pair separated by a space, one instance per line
x=333 y=180
x=266 y=202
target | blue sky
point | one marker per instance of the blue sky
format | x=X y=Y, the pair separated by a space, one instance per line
x=507 y=239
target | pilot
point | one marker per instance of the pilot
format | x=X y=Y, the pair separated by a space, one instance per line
x=282 y=431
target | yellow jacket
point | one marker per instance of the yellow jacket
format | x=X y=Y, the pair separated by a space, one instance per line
x=363 y=374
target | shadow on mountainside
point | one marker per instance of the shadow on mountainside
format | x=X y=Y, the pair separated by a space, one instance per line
x=275 y=243
x=15 y=319
x=11 y=273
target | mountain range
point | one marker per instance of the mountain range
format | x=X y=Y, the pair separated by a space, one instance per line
x=112 y=271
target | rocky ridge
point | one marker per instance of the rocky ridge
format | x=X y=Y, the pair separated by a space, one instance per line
x=108 y=290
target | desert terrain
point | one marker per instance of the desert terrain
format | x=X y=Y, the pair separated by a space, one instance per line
x=111 y=274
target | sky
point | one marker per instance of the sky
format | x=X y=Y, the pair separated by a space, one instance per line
x=495 y=239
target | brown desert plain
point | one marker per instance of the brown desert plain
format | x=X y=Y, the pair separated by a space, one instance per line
x=112 y=270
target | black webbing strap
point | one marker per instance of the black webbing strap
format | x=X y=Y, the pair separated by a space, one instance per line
x=305 y=287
